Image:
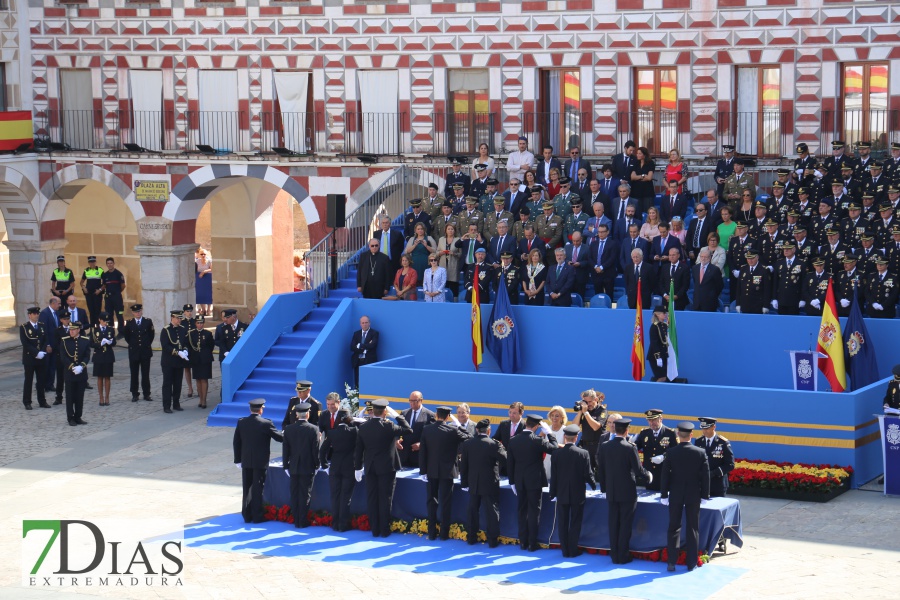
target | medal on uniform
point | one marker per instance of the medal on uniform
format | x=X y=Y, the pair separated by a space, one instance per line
x=664 y=442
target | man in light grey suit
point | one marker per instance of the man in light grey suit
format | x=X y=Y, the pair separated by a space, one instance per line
x=463 y=416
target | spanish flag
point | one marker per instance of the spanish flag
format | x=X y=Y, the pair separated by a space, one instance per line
x=831 y=346
x=477 y=345
x=15 y=129
x=637 y=339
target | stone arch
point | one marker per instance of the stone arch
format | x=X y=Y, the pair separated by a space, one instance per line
x=18 y=200
x=65 y=184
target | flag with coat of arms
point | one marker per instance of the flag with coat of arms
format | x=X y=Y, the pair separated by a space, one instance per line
x=503 y=333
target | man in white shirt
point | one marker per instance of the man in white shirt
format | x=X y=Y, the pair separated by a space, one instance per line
x=520 y=161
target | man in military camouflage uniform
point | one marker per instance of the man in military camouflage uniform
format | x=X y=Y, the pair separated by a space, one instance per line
x=788 y=288
x=815 y=285
x=719 y=455
x=654 y=441
x=882 y=292
x=508 y=275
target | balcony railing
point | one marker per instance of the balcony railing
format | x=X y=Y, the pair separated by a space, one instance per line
x=562 y=130
x=294 y=131
x=79 y=129
x=658 y=131
x=150 y=129
x=881 y=127
x=379 y=134
x=759 y=134
x=221 y=129
x=462 y=133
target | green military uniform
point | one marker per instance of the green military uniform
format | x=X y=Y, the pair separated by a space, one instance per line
x=575 y=223
x=518 y=228
x=562 y=203
x=486 y=201
x=471 y=216
x=550 y=229
x=439 y=226
x=432 y=205
x=492 y=218
x=736 y=184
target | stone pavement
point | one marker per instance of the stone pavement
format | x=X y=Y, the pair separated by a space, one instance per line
x=132 y=460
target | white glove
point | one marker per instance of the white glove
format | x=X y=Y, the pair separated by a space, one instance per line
x=326 y=470
x=802 y=303
x=845 y=303
x=775 y=304
x=601 y=495
x=77 y=370
x=649 y=477
x=40 y=355
x=287 y=472
x=877 y=306
x=391 y=412
x=737 y=309
x=238 y=465
x=424 y=477
x=465 y=489
x=545 y=428
x=359 y=475
x=454 y=420
x=765 y=311
x=664 y=501
x=659 y=362
x=736 y=273
x=771 y=270
x=815 y=303
x=703 y=501
x=657 y=460
x=513 y=488
x=226 y=354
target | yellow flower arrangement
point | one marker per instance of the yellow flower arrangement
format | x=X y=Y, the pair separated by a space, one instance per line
x=508 y=541
x=399 y=526
x=815 y=471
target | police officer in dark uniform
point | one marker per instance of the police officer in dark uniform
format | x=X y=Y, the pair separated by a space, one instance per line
x=874 y=182
x=113 y=288
x=479 y=184
x=304 y=389
x=251 y=455
x=487 y=199
x=571 y=470
x=883 y=225
x=789 y=275
x=815 y=285
x=485 y=276
x=376 y=455
x=891 y=164
x=892 y=394
x=684 y=487
x=719 y=455
x=893 y=250
x=228 y=333
x=103 y=339
x=62 y=280
x=724 y=168
x=882 y=292
x=653 y=442
x=413 y=218
x=187 y=323
x=832 y=164
x=867 y=254
x=480 y=461
x=847 y=284
x=833 y=250
x=173 y=360
x=738 y=246
x=618 y=472
x=457 y=177
x=509 y=276
x=338 y=445
x=300 y=458
x=821 y=223
x=754 y=287
x=35 y=350
x=806 y=208
x=92 y=287
x=139 y=334
x=525 y=466
x=438 y=452
x=781 y=203
x=200 y=354
x=771 y=243
x=804 y=166
x=658 y=344
x=61 y=333
x=75 y=352
x=853 y=227
x=863 y=160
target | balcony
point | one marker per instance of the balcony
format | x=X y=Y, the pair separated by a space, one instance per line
x=761 y=134
x=77 y=129
x=153 y=130
x=462 y=133
x=378 y=134
x=562 y=130
x=293 y=131
x=658 y=131
x=224 y=130
x=879 y=126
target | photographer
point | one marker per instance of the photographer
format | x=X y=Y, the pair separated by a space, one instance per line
x=590 y=415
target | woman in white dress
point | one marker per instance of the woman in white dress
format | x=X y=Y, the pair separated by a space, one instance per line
x=435 y=278
x=557 y=419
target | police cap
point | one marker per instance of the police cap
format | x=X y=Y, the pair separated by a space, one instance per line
x=685 y=426
x=706 y=422
x=653 y=413
x=571 y=430
x=34 y=310
x=257 y=403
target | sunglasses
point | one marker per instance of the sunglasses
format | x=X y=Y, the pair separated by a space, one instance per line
x=432 y=260
x=575 y=152
x=373 y=245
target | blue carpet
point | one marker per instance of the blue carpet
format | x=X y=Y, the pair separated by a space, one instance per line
x=406 y=552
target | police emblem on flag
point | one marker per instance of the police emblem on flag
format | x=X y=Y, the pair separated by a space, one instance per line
x=854 y=344
x=502 y=327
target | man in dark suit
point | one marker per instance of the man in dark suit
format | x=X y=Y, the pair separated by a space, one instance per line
x=390 y=243
x=546 y=163
x=515 y=199
x=329 y=419
x=684 y=487
x=363 y=347
x=530 y=242
x=251 y=455
x=481 y=460
x=708 y=284
x=661 y=245
x=714 y=209
x=376 y=455
x=469 y=244
x=373 y=272
x=560 y=280
x=511 y=427
x=336 y=455
x=570 y=472
x=502 y=243
x=418 y=417
x=140 y=334
x=49 y=318
x=608 y=186
x=621 y=200
x=574 y=163
x=621 y=163
x=35 y=357
x=672 y=203
x=621 y=227
x=697 y=233
x=300 y=455
x=643 y=271
x=618 y=470
x=438 y=452
x=578 y=256
x=524 y=463
x=604 y=261
x=678 y=273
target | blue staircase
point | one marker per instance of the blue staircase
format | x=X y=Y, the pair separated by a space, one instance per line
x=274 y=378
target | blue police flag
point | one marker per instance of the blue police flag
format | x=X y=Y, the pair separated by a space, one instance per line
x=503 y=335
x=859 y=355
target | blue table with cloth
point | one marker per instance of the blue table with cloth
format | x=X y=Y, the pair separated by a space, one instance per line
x=720 y=517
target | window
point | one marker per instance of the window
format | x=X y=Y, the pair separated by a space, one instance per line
x=755 y=126
x=559 y=122
x=468 y=120
x=864 y=114
x=376 y=129
x=218 y=122
x=293 y=122
x=146 y=128
x=76 y=114
x=655 y=118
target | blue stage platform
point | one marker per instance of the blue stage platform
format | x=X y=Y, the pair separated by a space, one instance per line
x=737 y=365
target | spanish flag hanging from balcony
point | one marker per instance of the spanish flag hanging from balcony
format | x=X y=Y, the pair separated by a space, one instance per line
x=15 y=130
x=477 y=345
x=831 y=346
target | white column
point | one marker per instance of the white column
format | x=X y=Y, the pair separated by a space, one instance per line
x=167 y=278
x=31 y=264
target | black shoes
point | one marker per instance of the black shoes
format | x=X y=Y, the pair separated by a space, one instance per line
x=88 y=387
x=28 y=407
x=167 y=410
x=44 y=405
x=58 y=401
x=670 y=568
x=134 y=398
x=148 y=398
x=72 y=423
x=178 y=408
x=80 y=422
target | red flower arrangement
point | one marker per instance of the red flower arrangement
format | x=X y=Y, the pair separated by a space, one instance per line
x=790 y=477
